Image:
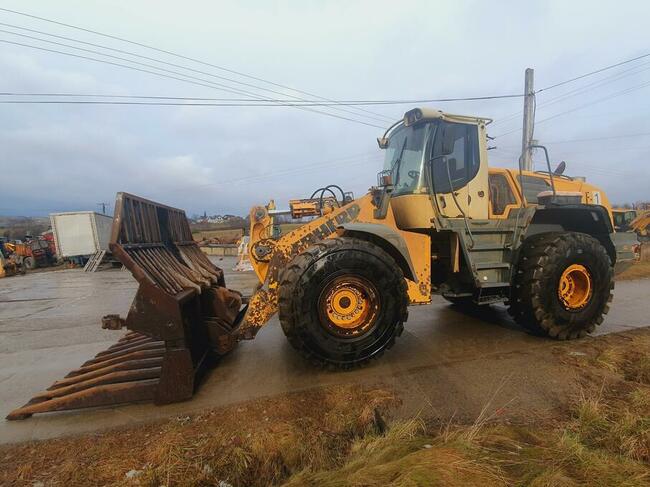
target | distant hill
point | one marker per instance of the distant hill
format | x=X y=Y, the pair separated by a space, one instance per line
x=16 y=227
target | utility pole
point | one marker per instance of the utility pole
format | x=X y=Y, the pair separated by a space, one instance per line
x=526 y=161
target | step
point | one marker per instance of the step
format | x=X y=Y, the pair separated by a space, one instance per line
x=495 y=284
x=491 y=230
x=483 y=247
x=480 y=266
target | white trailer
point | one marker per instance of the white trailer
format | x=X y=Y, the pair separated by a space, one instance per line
x=80 y=234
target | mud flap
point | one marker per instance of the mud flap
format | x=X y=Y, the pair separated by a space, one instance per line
x=182 y=315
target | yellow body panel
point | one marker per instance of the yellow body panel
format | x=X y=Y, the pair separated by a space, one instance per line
x=412 y=211
x=641 y=224
x=591 y=195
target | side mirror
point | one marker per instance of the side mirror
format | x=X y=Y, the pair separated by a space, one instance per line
x=561 y=167
x=448 y=140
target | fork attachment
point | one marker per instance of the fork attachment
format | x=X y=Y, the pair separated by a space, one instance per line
x=181 y=316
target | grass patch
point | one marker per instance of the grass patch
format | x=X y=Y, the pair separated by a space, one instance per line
x=344 y=436
x=632 y=361
x=619 y=427
x=597 y=446
x=256 y=444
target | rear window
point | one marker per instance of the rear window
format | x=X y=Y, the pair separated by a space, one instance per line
x=532 y=186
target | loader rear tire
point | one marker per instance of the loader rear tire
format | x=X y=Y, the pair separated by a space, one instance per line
x=562 y=285
x=342 y=302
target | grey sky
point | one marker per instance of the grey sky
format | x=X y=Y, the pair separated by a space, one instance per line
x=69 y=157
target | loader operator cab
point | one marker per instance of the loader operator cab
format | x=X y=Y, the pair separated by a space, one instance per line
x=411 y=150
x=435 y=164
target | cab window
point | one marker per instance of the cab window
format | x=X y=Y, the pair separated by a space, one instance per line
x=500 y=193
x=532 y=186
x=462 y=164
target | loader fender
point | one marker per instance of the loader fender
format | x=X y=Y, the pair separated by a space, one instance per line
x=589 y=219
x=386 y=238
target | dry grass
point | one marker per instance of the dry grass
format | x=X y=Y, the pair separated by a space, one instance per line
x=604 y=440
x=406 y=456
x=596 y=447
x=620 y=427
x=226 y=235
x=261 y=443
x=632 y=361
x=343 y=437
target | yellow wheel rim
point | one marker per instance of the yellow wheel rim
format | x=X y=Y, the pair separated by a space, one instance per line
x=575 y=287
x=349 y=305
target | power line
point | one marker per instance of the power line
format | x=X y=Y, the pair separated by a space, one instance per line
x=146 y=46
x=202 y=82
x=338 y=102
x=352 y=160
x=233 y=101
x=180 y=56
x=591 y=73
x=380 y=118
x=599 y=83
x=159 y=68
x=581 y=90
x=153 y=103
x=609 y=97
x=99 y=95
x=591 y=139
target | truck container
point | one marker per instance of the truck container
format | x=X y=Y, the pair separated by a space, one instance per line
x=80 y=234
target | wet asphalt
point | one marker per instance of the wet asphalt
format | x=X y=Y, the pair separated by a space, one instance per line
x=50 y=324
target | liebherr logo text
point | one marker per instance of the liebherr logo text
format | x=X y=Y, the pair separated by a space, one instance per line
x=328 y=227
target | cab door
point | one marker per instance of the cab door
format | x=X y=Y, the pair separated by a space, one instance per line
x=461 y=170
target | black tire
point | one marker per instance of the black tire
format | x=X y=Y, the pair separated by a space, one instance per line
x=302 y=306
x=535 y=302
x=29 y=263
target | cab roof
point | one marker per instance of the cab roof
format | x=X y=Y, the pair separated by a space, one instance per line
x=421 y=114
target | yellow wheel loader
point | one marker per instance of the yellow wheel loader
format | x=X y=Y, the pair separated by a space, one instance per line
x=439 y=221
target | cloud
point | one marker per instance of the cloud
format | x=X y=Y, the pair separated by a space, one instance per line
x=227 y=159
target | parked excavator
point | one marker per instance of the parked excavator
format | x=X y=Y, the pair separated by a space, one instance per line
x=439 y=221
x=633 y=220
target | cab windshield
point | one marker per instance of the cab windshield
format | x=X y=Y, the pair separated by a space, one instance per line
x=405 y=157
x=622 y=218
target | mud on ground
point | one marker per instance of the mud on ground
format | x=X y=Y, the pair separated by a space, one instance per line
x=639 y=270
x=593 y=428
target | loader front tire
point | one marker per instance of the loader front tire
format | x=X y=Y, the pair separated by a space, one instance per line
x=562 y=285
x=342 y=302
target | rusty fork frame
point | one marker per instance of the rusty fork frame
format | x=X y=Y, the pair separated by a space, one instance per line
x=181 y=315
